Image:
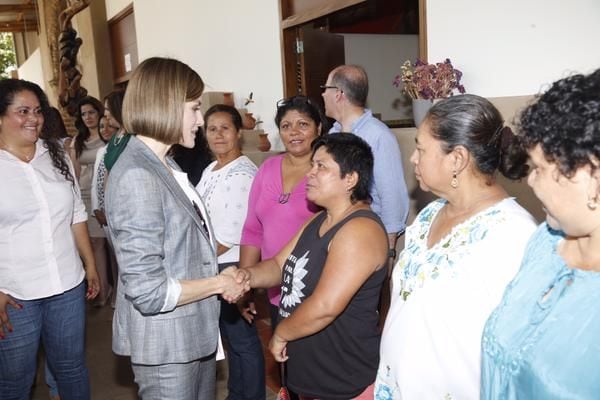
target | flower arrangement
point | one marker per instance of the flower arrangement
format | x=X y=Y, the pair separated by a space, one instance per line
x=429 y=81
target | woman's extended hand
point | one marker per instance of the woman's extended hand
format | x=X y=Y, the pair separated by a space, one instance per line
x=236 y=282
x=101 y=217
x=278 y=347
x=5 y=301
x=93 y=283
x=247 y=307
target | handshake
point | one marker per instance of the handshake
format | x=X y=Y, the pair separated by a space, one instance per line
x=234 y=283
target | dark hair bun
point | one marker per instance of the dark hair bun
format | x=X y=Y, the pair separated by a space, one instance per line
x=513 y=155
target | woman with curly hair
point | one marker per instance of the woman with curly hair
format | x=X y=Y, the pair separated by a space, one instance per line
x=43 y=242
x=541 y=341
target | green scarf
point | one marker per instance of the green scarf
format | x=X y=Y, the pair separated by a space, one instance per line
x=114 y=149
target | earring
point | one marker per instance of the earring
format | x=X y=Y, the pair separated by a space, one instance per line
x=593 y=203
x=454 y=181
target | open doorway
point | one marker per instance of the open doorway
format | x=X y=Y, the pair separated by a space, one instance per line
x=376 y=34
x=8 y=57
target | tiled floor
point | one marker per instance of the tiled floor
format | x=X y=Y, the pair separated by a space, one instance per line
x=111 y=377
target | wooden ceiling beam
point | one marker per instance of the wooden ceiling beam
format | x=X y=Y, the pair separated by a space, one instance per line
x=22 y=26
x=14 y=8
x=319 y=9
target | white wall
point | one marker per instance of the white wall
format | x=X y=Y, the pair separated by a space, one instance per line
x=31 y=69
x=233 y=45
x=113 y=7
x=514 y=47
x=382 y=56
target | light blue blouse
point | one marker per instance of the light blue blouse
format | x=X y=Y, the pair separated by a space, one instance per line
x=543 y=339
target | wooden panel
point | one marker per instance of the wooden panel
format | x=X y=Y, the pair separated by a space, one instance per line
x=323 y=51
x=285 y=9
x=301 y=6
x=423 y=30
x=21 y=26
x=14 y=8
x=306 y=10
x=123 y=42
x=290 y=62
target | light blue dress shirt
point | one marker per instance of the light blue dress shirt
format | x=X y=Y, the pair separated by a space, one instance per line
x=543 y=339
x=390 y=196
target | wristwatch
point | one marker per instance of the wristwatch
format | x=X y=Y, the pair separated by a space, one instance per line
x=392 y=253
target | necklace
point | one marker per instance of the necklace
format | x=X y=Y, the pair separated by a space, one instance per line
x=20 y=155
x=284 y=198
x=118 y=136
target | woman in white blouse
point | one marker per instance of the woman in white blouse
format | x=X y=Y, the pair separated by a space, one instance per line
x=224 y=187
x=461 y=251
x=43 y=233
x=110 y=125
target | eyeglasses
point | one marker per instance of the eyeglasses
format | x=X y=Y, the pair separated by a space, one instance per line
x=295 y=100
x=325 y=87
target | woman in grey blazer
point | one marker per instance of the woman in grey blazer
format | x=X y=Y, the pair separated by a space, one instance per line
x=166 y=316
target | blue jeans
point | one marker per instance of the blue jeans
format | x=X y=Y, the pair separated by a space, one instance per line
x=50 y=381
x=244 y=354
x=60 y=323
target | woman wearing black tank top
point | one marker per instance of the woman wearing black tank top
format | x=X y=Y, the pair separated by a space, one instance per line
x=331 y=274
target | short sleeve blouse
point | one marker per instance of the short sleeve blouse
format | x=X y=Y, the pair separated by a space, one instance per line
x=441 y=298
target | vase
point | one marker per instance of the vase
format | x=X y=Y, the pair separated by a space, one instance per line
x=263 y=142
x=228 y=99
x=248 y=121
x=420 y=108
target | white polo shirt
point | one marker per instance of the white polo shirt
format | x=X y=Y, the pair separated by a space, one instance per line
x=38 y=255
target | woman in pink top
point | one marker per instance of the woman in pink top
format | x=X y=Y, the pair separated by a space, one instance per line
x=277 y=206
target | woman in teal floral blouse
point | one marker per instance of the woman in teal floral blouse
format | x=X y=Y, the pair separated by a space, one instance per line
x=542 y=341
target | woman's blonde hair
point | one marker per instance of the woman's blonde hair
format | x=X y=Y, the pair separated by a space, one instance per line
x=154 y=101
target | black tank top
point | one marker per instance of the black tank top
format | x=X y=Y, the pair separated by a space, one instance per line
x=340 y=361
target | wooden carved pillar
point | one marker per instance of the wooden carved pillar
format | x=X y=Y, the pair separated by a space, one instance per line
x=51 y=11
x=70 y=92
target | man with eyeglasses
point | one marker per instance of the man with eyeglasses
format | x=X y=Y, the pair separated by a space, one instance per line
x=345 y=96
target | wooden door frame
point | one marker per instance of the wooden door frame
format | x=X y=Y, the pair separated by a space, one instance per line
x=293 y=13
x=297 y=12
x=423 y=30
x=122 y=79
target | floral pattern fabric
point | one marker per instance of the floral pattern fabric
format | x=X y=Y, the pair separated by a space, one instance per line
x=101 y=171
x=441 y=297
x=225 y=193
x=418 y=264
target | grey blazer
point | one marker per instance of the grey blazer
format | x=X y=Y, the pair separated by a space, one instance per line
x=158 y=237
